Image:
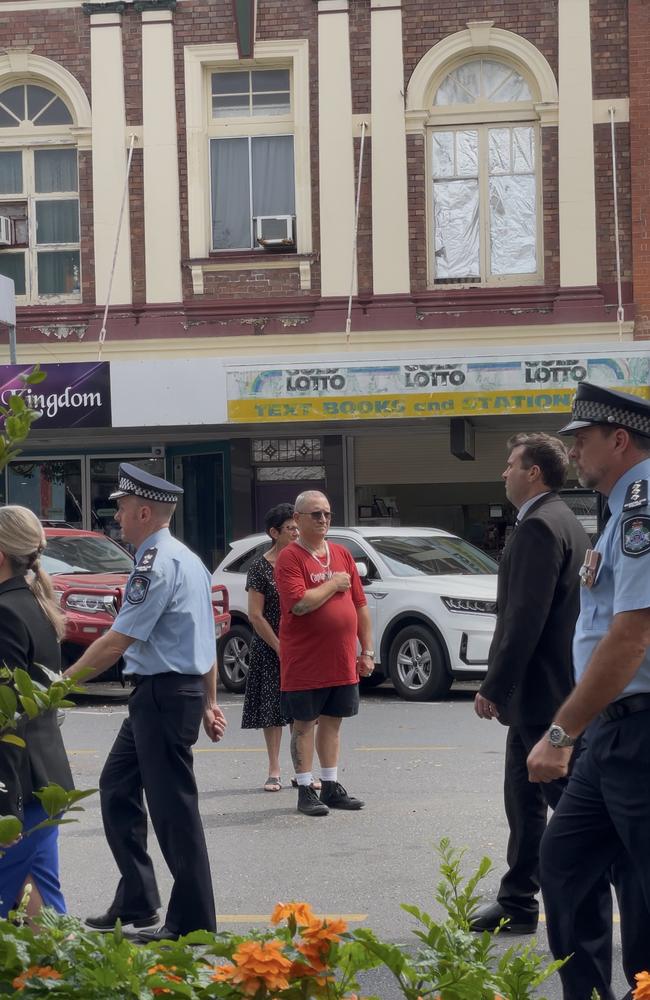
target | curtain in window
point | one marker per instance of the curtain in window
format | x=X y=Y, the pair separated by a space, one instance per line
x=56 y=170
x=58 y=272
x=57 y=221
x=273 y=180
x=11 y=173
x=231 y=215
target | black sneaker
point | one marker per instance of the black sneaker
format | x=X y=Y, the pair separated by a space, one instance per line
x=309 y=803
x=335 y=796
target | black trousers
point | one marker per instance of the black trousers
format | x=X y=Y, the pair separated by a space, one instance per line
x=153 y=754
x=601 y=828
x=527 y=806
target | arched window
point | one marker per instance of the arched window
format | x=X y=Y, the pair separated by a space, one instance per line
x=39 y=195
x=485 y=192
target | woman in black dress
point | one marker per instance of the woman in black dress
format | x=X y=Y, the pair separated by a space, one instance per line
x=262 y=698
x=31 y=624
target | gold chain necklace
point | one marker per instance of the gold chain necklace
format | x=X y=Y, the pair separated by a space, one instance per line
x=323 y=565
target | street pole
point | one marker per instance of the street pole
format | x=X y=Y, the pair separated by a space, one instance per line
x=12 y=345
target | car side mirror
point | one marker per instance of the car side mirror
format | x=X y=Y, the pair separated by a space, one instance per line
x=362 y=570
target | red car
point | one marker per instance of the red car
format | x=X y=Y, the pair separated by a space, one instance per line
x=89 y=572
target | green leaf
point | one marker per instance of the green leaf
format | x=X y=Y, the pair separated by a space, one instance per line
x=53 y=798
x=8 y=701
x=23 y=683
x=10 y=829
x=17 y=404
x=35 y=377
x=30 y=706
x=15 y=741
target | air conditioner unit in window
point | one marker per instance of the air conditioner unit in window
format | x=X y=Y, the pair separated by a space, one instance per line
x=6 y=231
x=275 y=232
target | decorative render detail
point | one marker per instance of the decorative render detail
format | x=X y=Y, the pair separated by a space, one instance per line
x=140 y=6
x=115 y=7
x=480 y=33
x=23 y=61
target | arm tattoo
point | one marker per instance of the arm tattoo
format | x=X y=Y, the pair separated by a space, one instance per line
x=300 y=608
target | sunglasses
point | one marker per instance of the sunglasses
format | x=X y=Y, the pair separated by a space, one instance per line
x=317 y=515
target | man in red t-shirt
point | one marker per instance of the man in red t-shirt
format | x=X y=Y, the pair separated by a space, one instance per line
x=324 y=612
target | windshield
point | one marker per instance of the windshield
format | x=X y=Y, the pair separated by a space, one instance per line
x=85 y=554
x=432 y=556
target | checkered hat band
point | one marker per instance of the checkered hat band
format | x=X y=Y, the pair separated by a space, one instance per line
x=604 y=413
x=138 y=490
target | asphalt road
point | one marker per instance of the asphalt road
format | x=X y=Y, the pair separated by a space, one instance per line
x=425 y=770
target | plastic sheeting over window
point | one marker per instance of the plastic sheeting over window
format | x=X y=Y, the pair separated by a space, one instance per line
x=498 y=166
x=482 y=80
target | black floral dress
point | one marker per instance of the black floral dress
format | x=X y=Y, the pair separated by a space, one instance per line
x=262 y=697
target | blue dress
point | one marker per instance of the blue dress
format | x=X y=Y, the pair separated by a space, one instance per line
x=35 y=857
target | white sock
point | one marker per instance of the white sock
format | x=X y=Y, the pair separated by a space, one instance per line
x=329 y=773
x=304 y=778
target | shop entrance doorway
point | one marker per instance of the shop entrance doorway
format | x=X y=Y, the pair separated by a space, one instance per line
x=202 y=513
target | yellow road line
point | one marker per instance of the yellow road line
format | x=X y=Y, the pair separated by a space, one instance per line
x=265 y=918
x=402 y=749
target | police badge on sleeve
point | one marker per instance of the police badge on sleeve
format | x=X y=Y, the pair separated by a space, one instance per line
x=136 y=589
x=635 y=536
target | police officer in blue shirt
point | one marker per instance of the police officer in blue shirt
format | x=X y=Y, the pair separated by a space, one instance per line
x=603 y=818
x=165 y=632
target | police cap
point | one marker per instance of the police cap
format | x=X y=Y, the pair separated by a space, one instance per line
x=594 y=404
x=138 y=483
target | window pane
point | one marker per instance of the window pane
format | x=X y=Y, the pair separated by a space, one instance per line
x=11 y=174
x=456 y=220
x=55 y=113
x=14 y=101
x=57 y=221
x=37 y=98
x=58 y=272
x=271 y=104
x=523 y=149
x=273 y=183
x=231 y=209
x=452 y=92
x=494 y=75
x=499 y=150
x=12 y=265
x=442 y=151
x=513 y=225
x=514 y=88
x=466 y=154
x=270 y=79
x=230 y=83
x=234 y=105
x=56 y=170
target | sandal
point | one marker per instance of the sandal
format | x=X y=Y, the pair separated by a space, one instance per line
x=315 y=784
x=272 y=784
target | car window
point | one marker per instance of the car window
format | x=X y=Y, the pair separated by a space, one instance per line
x=357 y=553
x=431 y=555
x=85 y=554
x=243 y=563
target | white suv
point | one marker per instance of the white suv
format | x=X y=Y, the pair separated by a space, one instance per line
x=432 y=597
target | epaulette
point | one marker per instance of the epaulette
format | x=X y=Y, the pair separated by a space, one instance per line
x=147 y=561
x=637 y=495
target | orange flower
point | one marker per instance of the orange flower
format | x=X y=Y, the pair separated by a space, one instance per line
x=258 y=963
x=323 y=930
x=302 y=913
x=314 y=953
x=167 y=972
x=35 y=972
x=222 y=973
x=642 y=991
x=300 y=971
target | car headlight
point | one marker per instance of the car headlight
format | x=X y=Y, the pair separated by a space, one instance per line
x=466 y=605
x=91 y=604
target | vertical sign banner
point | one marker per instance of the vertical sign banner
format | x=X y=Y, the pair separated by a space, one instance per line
x=71 y=395
x=393 y=389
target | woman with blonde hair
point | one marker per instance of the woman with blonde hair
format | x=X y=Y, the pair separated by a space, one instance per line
x=31 y=625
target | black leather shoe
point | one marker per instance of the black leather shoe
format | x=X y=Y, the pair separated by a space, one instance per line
x=159 y=934
x=489 y=917
x=335 y=796
x=106 y=921
x=309 y=803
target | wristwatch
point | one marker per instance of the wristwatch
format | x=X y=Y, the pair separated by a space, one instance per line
x=558 y=738
x=368 y=652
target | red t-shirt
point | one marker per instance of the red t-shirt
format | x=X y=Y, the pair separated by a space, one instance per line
x=318 y=649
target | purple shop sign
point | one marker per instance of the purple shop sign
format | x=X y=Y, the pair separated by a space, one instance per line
x=72 y=395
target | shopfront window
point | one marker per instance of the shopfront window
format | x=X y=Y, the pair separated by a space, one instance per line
x=104 y=474
x=51 y=488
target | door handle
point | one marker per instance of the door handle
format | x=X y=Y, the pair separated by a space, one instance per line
x=379 y=594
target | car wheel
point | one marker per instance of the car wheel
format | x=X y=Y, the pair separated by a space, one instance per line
x=417 y=665
x=234 y=651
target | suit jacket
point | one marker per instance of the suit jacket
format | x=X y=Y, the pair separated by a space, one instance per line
x=28 y=639
x=530 y=663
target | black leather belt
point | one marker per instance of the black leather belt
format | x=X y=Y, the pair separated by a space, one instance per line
x=627 y=706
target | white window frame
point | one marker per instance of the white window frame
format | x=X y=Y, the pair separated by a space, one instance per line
x=34 y=141
x=200 y=62
x=486 y=279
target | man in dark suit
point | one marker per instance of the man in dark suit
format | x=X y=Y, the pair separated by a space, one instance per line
x=530 y=667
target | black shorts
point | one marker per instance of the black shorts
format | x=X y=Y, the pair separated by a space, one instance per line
x=305 y=706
